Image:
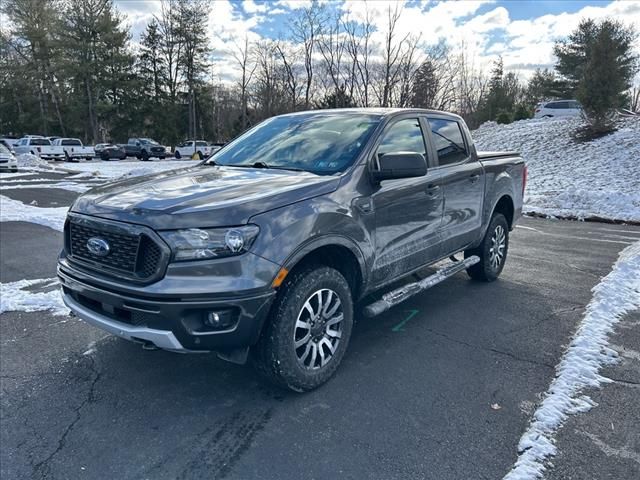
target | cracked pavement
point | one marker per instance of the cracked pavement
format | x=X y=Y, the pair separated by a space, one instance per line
x=413 y=403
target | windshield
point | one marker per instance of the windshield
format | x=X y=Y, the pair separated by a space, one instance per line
x=4 y=150
x=149 y=141
x=320 y=143
x=39 y=141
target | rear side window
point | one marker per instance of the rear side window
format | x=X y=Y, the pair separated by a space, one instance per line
x=448 y=140
x=403 y=136
x=201 y=144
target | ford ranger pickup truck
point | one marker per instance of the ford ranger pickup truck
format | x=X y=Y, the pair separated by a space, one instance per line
x=261 y=252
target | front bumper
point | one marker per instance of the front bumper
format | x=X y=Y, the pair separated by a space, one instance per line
x=170 y=320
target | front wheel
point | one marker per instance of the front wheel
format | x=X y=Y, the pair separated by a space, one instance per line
x=308 y=331
x=492 y=251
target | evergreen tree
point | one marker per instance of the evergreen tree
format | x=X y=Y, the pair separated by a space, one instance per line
x=425 y=86
x=598 y=61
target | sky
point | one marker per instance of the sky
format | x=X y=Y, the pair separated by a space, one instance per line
x=522 y=32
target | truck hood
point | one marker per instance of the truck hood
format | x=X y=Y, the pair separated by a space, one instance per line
x=201 y=196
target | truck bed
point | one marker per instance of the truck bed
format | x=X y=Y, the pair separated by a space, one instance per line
x=490 y=155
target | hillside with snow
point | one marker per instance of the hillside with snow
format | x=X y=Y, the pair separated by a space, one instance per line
x=595 y=179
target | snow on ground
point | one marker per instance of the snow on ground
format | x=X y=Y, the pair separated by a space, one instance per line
x=600 y=178
x=16 y=296
x=27 y=160
x=125 y=168
x=71 y=186
x=14 y=211
x=617 y=294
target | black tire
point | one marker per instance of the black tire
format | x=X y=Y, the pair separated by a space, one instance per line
x=144 y=156
x=486 y=270
x=104 y=156
x=14 y=170
x=177 y=155
x=276 y=357
x=66 y=157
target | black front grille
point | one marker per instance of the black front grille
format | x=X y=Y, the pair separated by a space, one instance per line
x=123 y=248
x=131 y=253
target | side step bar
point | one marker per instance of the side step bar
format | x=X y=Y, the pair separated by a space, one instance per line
x=401 y=294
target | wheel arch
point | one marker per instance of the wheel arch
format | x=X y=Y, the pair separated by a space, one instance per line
x=505 y=206
x=334 y=251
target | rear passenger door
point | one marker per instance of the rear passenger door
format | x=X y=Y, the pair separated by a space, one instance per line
x=462 y=180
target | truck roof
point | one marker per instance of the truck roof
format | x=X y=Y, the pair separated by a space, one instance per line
x=378 y=111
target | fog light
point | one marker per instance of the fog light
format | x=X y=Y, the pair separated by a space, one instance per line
x=219 y=320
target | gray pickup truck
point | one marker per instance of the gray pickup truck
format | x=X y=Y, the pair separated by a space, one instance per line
x=262 y=251
x=144 y=149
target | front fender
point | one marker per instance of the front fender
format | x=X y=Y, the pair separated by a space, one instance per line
x=287 y=234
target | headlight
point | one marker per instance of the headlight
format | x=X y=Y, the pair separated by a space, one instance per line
x=197 y=243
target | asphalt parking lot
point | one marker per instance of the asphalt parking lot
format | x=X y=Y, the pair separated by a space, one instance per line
x=441 y=387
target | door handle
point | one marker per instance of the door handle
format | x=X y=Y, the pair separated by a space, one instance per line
x=474 y=178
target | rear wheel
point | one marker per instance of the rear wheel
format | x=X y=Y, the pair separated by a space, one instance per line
x=492 y=251
x=308 y=332
x=178 y=155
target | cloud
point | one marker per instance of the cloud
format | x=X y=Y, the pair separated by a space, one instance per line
x=250 y=6
x=485 y=29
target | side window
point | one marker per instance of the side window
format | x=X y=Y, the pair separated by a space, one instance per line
x=448 y=140
x=403 y=136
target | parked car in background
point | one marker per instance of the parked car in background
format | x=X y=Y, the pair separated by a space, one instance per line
x=9 y=142
x=558 y=108
x=107 y=151
x=216 y=146
x=39 y=146
x=74 y=149
x=8 y=160
x=144 y=149
x=188 y=149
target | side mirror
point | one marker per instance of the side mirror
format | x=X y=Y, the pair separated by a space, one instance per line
x=400 y=165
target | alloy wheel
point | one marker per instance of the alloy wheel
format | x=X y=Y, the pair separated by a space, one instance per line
x=318 y=329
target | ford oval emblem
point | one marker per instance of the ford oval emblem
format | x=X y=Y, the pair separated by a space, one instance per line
x=98 y=246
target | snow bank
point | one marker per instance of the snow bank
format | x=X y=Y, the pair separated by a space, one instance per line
x=127 y=168
x=15 y=297
x=71 y=186
x=15 y=211
x=615 y=295
x=27 y=160
x=600 y=178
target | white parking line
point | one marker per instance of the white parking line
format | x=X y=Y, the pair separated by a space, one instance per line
x=573 y=237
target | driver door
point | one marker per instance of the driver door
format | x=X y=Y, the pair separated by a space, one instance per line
x=408 y=211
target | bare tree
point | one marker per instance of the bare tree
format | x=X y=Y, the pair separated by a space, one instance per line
x=332 y=45
x=306 y=27
x=290 y=77
x=244 y=55
x=392 y=54
x=172 y=47
x=358 y=46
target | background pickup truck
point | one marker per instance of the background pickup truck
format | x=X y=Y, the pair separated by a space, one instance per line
x=262 y=251
x=40 y=147
x=74 y=149
x=202 y=148
x=144 y=149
